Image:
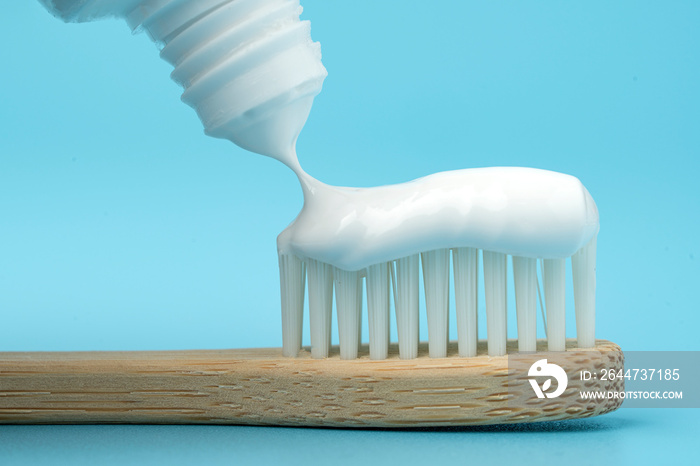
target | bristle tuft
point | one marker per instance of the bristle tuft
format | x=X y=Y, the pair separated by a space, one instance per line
x=525 y=277
x=466 y=271
x=292 y=285
x=320 y=306
x=495 y=273
x=583 y=266
x=436 y=279
x=555 y=303
x=378 y=310
x=348 y=303
x=407 y=274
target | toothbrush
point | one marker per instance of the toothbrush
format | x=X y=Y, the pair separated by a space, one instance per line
x=251 y=71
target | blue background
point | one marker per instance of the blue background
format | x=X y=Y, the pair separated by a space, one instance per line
x=123 y=227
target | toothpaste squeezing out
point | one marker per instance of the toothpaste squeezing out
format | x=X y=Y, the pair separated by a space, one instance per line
x=251 y=71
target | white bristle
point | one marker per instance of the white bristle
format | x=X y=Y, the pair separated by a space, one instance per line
x=320 y=306
x=466 y=270
x=292 y=284
x=525 y=277
x=436 y=279
x=359 y=312
x=407 y=274
x=378 y=310
x=403 y=275
x=554 y=278
x=495 y=272
x=348 y=303
x=583 y=266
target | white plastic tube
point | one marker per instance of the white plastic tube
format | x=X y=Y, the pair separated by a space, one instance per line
x=248 y=67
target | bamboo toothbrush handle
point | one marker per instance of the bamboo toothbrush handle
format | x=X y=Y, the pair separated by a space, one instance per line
x=259 y=386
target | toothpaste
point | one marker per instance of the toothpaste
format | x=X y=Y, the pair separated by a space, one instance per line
x=519 y=211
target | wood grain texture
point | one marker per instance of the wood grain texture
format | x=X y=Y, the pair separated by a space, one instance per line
x=260 y=387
